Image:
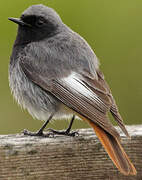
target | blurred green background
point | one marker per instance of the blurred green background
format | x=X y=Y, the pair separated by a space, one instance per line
x=114 y=31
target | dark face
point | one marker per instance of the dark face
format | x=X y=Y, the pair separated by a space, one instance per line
x=34 y=28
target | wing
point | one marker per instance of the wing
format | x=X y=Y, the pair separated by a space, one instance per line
x=114 y=109
x=85 y=96
x=91 y=100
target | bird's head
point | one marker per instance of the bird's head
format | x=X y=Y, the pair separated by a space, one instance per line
x=36 y=23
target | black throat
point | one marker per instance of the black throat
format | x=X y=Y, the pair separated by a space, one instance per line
x=27 y=35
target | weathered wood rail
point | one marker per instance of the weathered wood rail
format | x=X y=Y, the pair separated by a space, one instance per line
x=65 y=158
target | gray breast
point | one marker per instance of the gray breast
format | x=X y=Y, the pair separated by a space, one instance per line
x=39 y=103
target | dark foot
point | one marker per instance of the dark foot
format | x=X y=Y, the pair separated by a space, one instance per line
x=66 y=133
x=52 y=131
x=39 y=133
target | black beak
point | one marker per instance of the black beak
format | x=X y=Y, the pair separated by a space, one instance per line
x=19 y=21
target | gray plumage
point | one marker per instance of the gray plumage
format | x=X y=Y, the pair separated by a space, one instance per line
x=59 y=54
x=53 y=72
x=51 y=50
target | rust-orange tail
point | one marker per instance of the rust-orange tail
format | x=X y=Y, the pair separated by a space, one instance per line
x=115 y=151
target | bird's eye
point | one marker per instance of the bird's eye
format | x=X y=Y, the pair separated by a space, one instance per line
x=40 y=22
x=22 y=16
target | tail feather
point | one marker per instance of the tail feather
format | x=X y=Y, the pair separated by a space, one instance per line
x=114 y=150
x=118 y=119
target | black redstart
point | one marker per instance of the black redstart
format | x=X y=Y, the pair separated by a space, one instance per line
x=54 y=72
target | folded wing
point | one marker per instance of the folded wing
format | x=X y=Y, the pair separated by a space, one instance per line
x=91 y=99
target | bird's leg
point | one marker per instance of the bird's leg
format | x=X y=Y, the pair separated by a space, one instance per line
x=40 y=132
x=66 y=132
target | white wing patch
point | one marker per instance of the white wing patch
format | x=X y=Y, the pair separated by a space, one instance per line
x=80 y=87
x=76 y=84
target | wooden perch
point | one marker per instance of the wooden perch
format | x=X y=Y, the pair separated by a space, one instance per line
x=65 y=158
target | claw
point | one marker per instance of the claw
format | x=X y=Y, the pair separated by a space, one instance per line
x=66 y=133
x=39 y=133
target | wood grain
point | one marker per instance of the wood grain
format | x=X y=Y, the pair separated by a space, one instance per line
x=65 y=158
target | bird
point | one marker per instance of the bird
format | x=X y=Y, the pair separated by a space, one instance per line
x=53 y=72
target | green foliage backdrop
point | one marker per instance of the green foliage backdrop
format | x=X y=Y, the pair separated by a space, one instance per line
x=112 y=28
